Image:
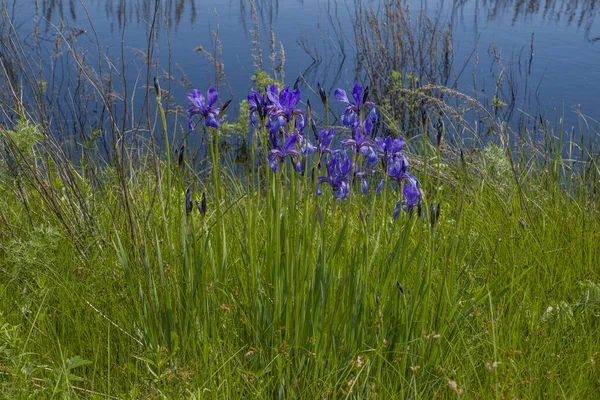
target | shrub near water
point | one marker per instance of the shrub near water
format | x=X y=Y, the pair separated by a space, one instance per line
x=327 y=271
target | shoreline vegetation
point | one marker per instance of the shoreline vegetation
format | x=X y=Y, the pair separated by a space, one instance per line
x=347 y=251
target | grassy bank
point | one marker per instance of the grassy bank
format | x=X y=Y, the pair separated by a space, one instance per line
x=116 y=283
x=132 y=267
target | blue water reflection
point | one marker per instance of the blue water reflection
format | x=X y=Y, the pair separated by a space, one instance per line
x=548 y=49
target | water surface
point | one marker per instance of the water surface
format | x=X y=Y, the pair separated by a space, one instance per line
x=547 y=51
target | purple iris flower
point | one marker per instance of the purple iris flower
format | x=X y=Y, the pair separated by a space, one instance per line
x=411 y=195
x=339 y=170
x=370 y=156
x=306 y=147
x=387 y=148
x=282 y=109
x=390 y=151
x=397 y=164
x=208 y=111
x=278 y=154
x=325 y=137
x=362 y=146
x=360 y=175
x=258 y=105
x=351 y=114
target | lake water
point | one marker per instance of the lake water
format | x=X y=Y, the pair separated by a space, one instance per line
x=550 y=50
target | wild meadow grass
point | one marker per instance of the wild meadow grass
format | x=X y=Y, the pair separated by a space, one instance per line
x=161 y=278
x=131 y=267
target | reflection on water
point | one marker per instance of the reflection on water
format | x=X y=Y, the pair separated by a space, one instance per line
x=581 y=13
x=122 y=12
x=51 y=8
x=172 y=13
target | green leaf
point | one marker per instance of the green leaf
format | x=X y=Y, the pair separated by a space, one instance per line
x=76 y=362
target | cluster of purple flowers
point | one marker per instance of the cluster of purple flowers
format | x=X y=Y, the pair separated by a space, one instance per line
x=396 y=164
x=277 y=112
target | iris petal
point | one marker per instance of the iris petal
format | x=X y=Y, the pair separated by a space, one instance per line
x=212 y=121
x=397 y=210
x=357 y=93
x=340 y=95
x=380 y=187
x=213 y=96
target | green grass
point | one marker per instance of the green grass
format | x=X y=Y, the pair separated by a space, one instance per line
x=108 y=289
